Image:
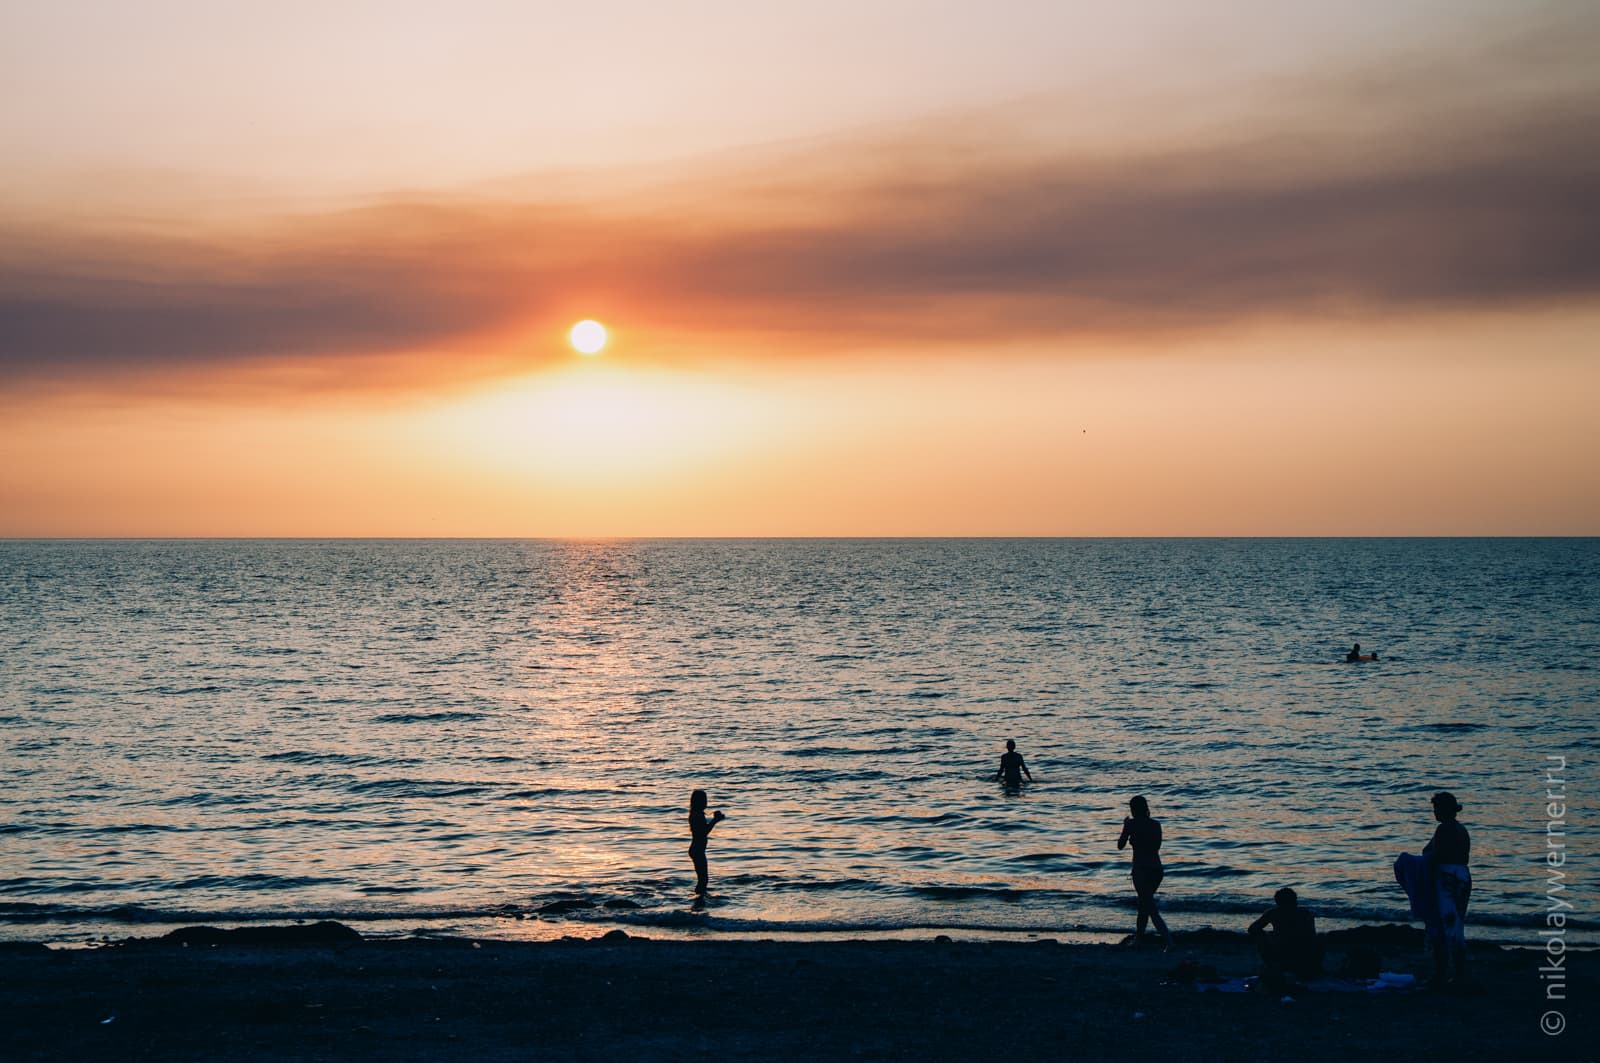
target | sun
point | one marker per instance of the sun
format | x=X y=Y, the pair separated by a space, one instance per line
x=587 y=337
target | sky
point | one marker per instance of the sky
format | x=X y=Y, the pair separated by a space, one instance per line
x=868 y=268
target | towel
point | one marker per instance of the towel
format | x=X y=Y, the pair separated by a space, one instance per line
x=1454 y=890
x=1417 y=879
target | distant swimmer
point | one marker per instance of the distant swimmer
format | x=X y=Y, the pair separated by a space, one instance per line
x=699 y=830
x=1012 y=769
x=1144 y=833
x=1355 y=655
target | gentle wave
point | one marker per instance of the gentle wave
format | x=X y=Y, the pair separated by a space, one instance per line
x=428 y=717
x=1094 y=915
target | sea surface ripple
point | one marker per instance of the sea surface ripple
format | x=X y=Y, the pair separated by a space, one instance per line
x=449 y=733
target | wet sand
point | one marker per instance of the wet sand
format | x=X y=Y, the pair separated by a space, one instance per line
x=634 y=998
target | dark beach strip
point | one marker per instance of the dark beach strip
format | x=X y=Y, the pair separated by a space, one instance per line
x=322 y=991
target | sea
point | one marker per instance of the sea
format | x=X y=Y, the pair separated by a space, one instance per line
x=499 y=738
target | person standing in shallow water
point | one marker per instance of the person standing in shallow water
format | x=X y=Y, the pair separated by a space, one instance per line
x=1447 y=855
x=1012 y=769
x=699 y=830
x=1144 y=834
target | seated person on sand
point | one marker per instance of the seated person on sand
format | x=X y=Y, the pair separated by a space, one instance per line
x=1291 y=947
x=1012 y=768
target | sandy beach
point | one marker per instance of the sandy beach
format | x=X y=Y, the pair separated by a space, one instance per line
x=634 y=998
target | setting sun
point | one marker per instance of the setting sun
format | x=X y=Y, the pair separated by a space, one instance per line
x=587 y=337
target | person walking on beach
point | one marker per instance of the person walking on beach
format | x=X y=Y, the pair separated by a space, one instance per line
x=1144 y=834
x=699 y=830
x=1012 y=769
x=1446 y=856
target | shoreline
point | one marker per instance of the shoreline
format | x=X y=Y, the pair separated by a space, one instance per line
x=681 y=924
x=198 y=995
x=1085 y=919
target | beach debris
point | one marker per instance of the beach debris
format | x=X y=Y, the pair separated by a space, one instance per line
x=576 y=904
x=1391 y=982
x=35 y=947
x=324 y=933
x=1361 y=961
x=1189 y=971
x=1395 y=937
x=1226 y=985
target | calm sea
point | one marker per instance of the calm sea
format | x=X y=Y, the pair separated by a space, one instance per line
x=450 y=736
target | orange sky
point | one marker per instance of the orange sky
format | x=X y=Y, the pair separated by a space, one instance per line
x=1335 y=277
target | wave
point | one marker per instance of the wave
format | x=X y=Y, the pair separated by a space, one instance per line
x=428 y=717
x=961 y=893
x=204 y=798
x=306 y=756
x=832 y=751
x=250 y=882
x=1022 y=911
x=431 y=788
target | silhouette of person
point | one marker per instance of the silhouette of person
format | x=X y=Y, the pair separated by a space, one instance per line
x=1144 y=834
x=1355 y=655
x=1446 y=857
x=699 y=830
x=1011 y=766
x=1291 y=947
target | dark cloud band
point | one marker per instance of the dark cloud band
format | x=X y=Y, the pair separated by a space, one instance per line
x=1481 y=210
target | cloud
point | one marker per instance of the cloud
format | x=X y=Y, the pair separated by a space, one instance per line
x=926 y=237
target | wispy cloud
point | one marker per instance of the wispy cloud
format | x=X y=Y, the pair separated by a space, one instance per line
x=867 y=244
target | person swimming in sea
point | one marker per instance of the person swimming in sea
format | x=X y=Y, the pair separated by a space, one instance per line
x=1355 y=655
x=1144 y=833
x=699 y=830
x=1012 y=769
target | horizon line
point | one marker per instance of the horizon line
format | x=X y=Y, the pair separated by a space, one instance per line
x=751 y=538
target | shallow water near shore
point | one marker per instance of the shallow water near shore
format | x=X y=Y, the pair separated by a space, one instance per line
x=461 y=735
